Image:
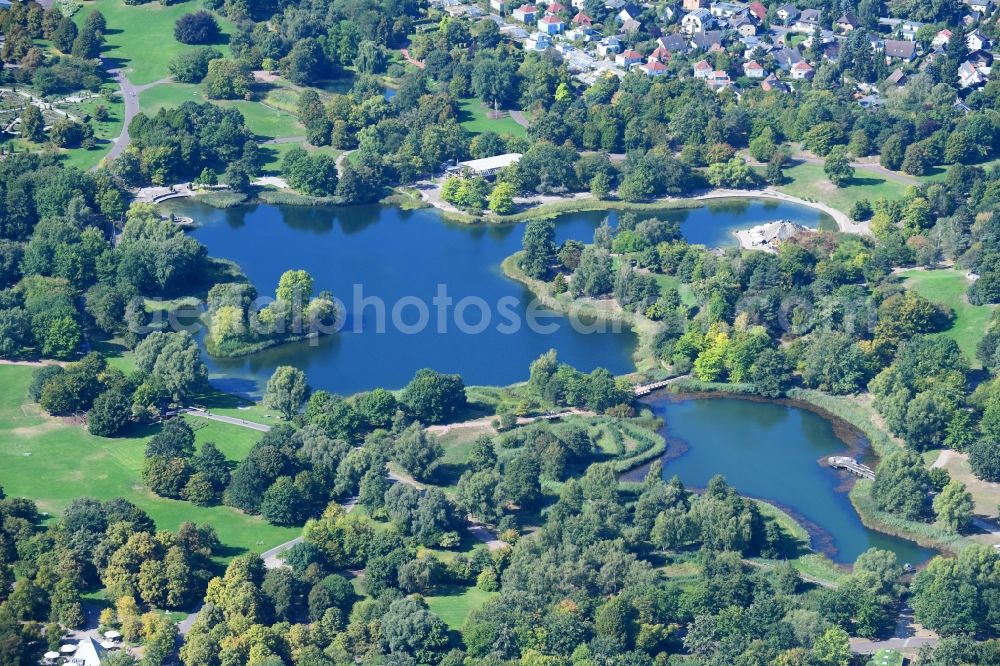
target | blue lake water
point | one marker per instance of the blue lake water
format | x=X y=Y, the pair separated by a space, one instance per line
x=773 y=451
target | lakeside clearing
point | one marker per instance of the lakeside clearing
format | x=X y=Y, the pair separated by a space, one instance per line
x=947 y=286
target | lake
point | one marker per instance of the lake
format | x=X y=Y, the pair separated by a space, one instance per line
x=772 y=451
x=404 y=258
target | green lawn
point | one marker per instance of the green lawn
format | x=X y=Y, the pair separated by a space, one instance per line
x=947 y=286
x=886 y=658
x=52 y=461
x=141 y=37
x=473 y=117
x=105 y=132
x=807 y=181
x=270 y=123
x=456 y=605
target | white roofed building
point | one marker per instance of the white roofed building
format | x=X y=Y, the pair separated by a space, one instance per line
x=487 y=166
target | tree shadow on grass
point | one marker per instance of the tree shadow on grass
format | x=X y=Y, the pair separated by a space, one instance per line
x=865 y=181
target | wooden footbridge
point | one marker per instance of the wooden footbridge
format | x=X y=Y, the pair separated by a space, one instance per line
x=852 y=466
x=646 y=389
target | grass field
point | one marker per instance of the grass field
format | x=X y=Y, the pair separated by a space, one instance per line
x=886 y=658
x=52 y=461
x=947 y=286
x=269 y=123
x=985 y=495
x=472 y=115
x=141 y=37
x=456 y=604
x=807 y=181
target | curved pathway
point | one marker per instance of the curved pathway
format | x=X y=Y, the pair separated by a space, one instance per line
x=519 y=118
x=130 y=96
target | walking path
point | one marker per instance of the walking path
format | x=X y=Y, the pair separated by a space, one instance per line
x=908 y=637
x=205 y=414
x=985 y=524
x=130 y=95
x=519 y=118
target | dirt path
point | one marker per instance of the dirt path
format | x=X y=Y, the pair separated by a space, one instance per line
x=519 y=118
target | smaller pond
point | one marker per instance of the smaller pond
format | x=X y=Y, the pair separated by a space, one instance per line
x=772 y=451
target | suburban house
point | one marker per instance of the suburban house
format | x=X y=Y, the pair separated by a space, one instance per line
x=699 y=20
x=630 y=26
x=702 y=70
x=525 y=13
x=725 y=9
x=976 y=41
x=654 y=68
x=807 y=20
x=970 y=76
x=802 y=70
x=609 y=46
x=941 y=39
x=552 y=25
x=899 y=49
x=897 y=78
x=673 y=43
x=628 y=13
x=555 y=8
x=753 y=70
x=628 y=58
x=707 y=41
x=661 y=54
x=583 y=19
x=785 y=58
x=757 y=10
x=787 y=14
x=692 y=5
x=772 y=83
x=847 y=22
x=743 y=25
x=981 y=6
x=538 y=41
x=718 y=80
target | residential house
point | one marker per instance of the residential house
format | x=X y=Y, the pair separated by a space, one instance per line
x=538 y=41
x=580 y=33
x=630 y=26
x=830 y=51
x=744 y=25
x=972 y=18
x=583 y=20
x=555 y=8
x=757 y=10
x=981 y=6
x=970 y=76
x=654 y=68
x=725 y=9
x=628 y=13
x=977 y=41
x=552 y=25
x=802 y=70
x=699 y=20
x=693 y=5
x=661 y=54
x=772 y=83
x=702 y=70
x=718 y=80
x=941 y=39
x=897 y=78
x=496 y=5
x=807 y=20
x=785 y=58
x=753 y=70
x=628 y=58
x=609 y=46
x=525 y=13
x=872 y=101
x=787 y=14
x=707 y=41
x=847 y=22
x=674 y=43
x=899 y=49
x=980 y=58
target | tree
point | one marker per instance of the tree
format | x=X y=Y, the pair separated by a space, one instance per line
x=408 y=628
x=306 y=63
x=433 y=397
x=286 y=389
x=984 y=458
x=539 y=248
x=901 y=485
x=88 y=43
x=315 y=175
x=417 y=452
x=192 y=66
x=65 y=34
x=226 y=79
x=196 y=28
x=501 y=200
x=377 y=407
x=832 y=648
x=110 y=414
x=32 y=126
x=953 y=506
x=916 y=162
x=593 y=276
x=283 y=503
x=837 y=167
x=371 y=58
x=892 y=153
